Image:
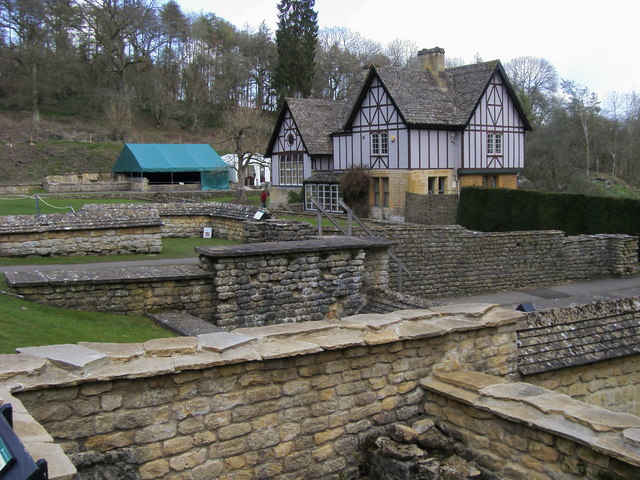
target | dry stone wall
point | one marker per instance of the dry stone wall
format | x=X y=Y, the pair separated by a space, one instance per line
x=590 y=352
x=124 y=290
x=517 y=430
x=284 y=401
x=452 y=261
x=431 y=209
x=265 y=283
x=80 y=234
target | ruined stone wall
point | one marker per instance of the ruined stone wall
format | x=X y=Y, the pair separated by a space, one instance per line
x=520 y=431
x=451 y=261
x=589 y=352
x=79 y=234
x=126 y=290
x=266 y=283
x=86 y=182
x=287 y=401
x=243 y=285
x=613 y=384
x=431 y=209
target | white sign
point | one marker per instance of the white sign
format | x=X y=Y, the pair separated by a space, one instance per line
x=206 y=232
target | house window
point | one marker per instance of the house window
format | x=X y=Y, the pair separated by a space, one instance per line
x=494 y=144
x=490 y=181
x=379 y=143
x=437 y=185
x=291 y=169
x=327 y=195
x=381 y=192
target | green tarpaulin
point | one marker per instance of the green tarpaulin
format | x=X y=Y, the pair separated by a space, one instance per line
x=156 y=157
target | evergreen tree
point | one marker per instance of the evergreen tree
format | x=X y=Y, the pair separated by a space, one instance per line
x=296 y=40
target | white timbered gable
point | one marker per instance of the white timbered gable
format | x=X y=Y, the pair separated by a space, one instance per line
x=376 y=111
x=289 y=139
x=289 y=158
x=378 y=137
x=494 y=137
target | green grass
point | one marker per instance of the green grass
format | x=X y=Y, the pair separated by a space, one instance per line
x=27 y=324
x=27 y=206
x=171 y=248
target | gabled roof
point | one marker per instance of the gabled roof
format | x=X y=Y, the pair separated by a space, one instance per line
x=421 y=103
x=315 y=120
x=159 y=157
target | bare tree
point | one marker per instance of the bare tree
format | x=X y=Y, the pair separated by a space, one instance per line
x=245 y=133
x=400 y=52
x=535 y=79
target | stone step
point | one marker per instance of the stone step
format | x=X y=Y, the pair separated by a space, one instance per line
x=183 y=323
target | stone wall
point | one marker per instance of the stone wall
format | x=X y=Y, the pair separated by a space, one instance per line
x=285 y=401
x=452 y=261
x=266 y=283
x=590 y=352
x=431 y=209
x=517 y=430
x=86 y=182
x=80 y=234
x=243 y=285
x=123 y=290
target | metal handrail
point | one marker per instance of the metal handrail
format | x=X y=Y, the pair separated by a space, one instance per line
x=350 y=218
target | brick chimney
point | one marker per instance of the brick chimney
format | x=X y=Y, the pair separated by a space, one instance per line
x=432 y=59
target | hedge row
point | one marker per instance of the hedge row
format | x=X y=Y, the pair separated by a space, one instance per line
x=501 y=210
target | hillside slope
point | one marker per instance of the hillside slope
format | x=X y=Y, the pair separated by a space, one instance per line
x=67 y=144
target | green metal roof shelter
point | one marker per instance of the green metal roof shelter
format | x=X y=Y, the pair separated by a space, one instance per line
x=174 y=163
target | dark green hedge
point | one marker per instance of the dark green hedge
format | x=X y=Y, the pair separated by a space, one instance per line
x=502 y=210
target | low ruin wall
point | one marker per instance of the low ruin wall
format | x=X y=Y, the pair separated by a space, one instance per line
x=590 y=352
x=226 y=220
x=266 y=283
x=452 y=261
x=521 y=431
x=431 y=209
x=304 y=400
x=285 y=401
x=244 y=285
x=86 y=182
x=122 y=290
x=80 y=234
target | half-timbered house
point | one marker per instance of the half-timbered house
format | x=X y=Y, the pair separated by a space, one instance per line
x=426 y=130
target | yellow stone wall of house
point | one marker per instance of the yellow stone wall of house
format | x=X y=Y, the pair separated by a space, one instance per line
x=509 y=180
x=419 y=181
x=413 y=181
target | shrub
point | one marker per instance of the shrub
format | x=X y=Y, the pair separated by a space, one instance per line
x=355 y=187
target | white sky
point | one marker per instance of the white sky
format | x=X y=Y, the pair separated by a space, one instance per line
x=593 y=42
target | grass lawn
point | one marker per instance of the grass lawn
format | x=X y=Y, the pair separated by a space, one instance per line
x=26 y=204
x=27 y=324
x=171 y=248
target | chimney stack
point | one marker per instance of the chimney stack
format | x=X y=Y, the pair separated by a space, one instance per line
x=432 y=59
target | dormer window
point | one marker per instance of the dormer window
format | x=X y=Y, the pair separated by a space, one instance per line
x=494 y=144
x=379 y=143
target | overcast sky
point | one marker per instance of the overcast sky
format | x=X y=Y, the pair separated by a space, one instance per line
x=595 y=43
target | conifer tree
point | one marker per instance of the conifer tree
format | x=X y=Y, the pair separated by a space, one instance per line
x=296 y=40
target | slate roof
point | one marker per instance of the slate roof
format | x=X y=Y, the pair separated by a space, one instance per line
x=415 y=94
x=421 y=103
x=579 y=335
x=315 y=119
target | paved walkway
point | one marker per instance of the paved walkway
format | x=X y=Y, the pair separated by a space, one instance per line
x=566 y=294
x=542 y=298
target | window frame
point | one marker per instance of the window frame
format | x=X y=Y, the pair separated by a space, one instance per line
x=495 y=143
x=380 y=143
x=291 y=169
x=381 y=193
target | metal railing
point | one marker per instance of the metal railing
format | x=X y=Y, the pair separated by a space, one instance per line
x=351 y=217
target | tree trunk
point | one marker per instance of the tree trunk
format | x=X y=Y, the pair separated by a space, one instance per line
x=35 y=110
